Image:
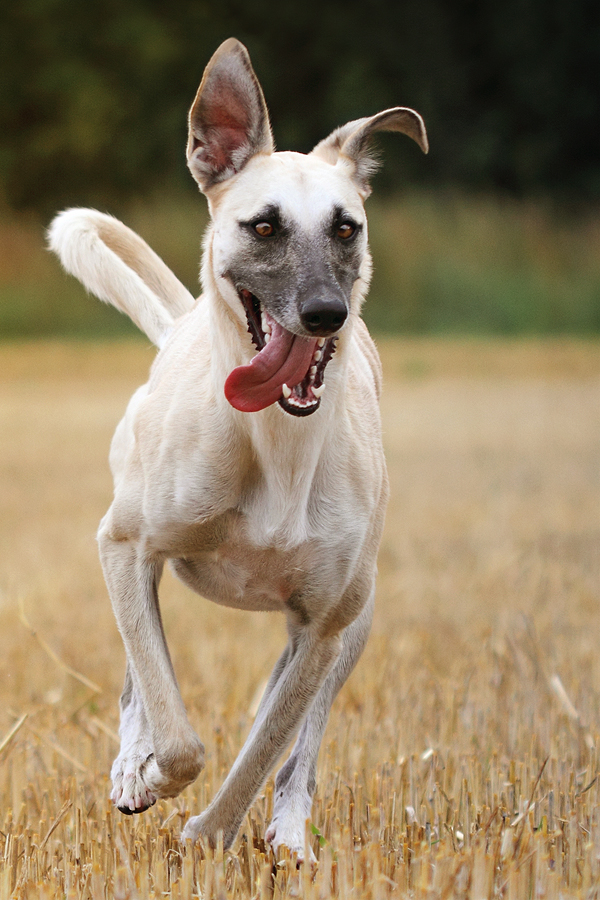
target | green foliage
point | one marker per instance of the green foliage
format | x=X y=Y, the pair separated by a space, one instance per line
x=443 y=263
x=463 y=264
x=37 y=298
x=94 y=95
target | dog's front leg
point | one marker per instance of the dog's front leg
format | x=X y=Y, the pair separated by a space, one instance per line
x=130 y=793
x=160 y=752
x=292 y=689
x=296 y=780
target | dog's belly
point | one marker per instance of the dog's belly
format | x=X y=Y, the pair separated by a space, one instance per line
x=241 y=577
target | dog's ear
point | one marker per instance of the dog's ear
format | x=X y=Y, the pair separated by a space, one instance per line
x=228 y=121
x=352 y=141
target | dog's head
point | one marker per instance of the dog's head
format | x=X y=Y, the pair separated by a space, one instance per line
x=289 y=238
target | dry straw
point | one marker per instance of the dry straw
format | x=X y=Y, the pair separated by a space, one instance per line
x=461 y=759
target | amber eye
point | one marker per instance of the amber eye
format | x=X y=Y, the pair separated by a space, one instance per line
x=264 y=229
x=346 y=230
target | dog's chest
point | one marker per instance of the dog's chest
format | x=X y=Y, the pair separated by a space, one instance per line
x=267 y=551
x=223 y=563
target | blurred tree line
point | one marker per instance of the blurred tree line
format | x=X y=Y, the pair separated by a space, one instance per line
x=94 y=95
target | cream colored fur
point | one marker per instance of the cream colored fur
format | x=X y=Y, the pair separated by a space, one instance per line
x=116 y=265
x=259 y=511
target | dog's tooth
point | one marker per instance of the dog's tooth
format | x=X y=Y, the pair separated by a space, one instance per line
x=267 y=337
x=313 y=371
x=320 y=342
x=286 y=391
x=318 y=391
x=317 y=355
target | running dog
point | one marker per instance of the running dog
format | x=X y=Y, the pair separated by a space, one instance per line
x=252 y=459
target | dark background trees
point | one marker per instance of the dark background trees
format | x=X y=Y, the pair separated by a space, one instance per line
x=94 y=95
x=496 y=231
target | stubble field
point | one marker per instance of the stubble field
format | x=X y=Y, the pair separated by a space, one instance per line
x=461 y=759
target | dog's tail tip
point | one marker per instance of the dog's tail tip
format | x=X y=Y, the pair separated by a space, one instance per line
x=67 y=224
x=119 y=267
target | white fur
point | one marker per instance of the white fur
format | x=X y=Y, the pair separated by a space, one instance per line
x=254 y=510
x=79 y=238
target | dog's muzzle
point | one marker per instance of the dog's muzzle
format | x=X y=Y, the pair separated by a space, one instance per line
x=288 y=369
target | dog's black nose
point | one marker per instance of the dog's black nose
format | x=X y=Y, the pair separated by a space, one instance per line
x=323 y=317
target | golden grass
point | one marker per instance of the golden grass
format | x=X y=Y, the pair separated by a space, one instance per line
x=461 y=757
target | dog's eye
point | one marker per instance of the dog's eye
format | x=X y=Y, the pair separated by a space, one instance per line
x=346 y=230
x=264 y=229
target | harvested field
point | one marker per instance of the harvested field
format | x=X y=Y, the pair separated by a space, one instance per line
x=461 y=758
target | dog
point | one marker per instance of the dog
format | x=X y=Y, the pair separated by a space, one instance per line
x=252 y=459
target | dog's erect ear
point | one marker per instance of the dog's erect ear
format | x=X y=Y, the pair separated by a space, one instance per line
x=352 y=141
x=228 y=121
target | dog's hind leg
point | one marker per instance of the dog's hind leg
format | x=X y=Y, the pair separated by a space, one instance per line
x=296 y=780
x=160 y=752
x=296 y=681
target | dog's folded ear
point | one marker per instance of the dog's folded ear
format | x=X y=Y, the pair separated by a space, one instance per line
x=352 y=141
x=228 y=121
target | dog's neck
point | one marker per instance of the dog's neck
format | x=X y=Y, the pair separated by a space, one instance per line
x=288 y=450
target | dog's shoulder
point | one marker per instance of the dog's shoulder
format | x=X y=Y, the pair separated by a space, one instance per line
x=367 y=346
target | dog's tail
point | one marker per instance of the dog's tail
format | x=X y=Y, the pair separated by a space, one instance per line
x=116 y=265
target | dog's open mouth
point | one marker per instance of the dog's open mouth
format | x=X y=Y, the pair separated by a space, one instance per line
x=287 y=369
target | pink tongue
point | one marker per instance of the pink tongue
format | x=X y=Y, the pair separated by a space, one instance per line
x=285 y=359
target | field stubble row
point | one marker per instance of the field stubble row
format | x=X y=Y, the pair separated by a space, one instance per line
x=461 y=758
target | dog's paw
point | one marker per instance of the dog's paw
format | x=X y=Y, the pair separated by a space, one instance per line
x=291 y=809
x=139 y=778
x=193 y=829
x=130 y=792
x=206 y=826
x=289 y=832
